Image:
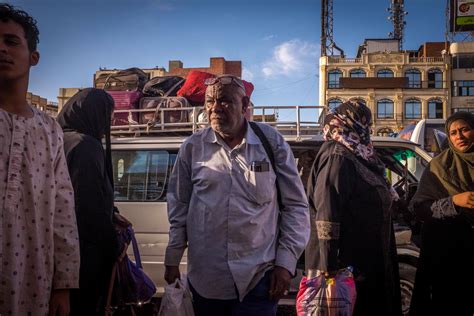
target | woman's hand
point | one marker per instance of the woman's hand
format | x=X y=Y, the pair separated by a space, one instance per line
x=465 y=199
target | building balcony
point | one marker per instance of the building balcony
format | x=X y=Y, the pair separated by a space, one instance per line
x=340 y=60
x=383 y=58
x=426 y=60
x=385 y=83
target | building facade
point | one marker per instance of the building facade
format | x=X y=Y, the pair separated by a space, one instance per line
x=398 y=86
x=462 y=78
x=42 y=104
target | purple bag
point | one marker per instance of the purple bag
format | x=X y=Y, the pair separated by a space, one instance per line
x=129 y=285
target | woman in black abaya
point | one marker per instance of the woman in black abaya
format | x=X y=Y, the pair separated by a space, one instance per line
x=350 y=207
x=85 y=120
x=444 y=201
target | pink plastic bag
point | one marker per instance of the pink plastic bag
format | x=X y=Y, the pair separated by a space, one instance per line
x=321 y=296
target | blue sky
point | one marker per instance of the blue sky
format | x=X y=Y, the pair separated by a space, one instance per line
x=276 y=40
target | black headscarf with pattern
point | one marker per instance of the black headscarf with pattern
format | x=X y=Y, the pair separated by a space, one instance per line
x=350 y=124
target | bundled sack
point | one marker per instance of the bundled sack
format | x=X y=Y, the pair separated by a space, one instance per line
x=194 y=89
x=323 y=296
x=163 y=86
x=129 y=286
x=131 y=79
x=177 y=300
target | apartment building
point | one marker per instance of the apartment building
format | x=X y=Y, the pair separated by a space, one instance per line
x=462 y=76
x=398 y=86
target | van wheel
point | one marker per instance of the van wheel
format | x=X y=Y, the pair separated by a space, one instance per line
x=407 y=282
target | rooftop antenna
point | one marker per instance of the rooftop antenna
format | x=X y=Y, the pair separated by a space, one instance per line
x=327 y=34
x=397 y=16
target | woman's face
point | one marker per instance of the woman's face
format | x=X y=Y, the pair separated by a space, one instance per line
x=461 y=135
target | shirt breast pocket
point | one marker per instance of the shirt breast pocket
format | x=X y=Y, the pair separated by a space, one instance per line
x=261 y=186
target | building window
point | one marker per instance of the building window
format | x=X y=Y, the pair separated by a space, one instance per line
x=333 y=78
x=412 y=109
x=333 y=103
x=357 y=73
x=435 y=109
x=470 y=110
x=385 y=109
x=463 y=88
x=435 y=78
x=385 y=73
x=463 y=61
x=414 y=78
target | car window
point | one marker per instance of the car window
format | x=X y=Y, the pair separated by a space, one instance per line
x=142 y=175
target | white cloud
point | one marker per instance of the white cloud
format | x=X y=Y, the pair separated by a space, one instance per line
x=291 y=57
x=247 y=74
x=268 y=37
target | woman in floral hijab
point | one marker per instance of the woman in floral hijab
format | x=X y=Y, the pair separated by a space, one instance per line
x=350 y=202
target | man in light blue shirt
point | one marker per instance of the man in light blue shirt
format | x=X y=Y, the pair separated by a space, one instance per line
x=223 y=206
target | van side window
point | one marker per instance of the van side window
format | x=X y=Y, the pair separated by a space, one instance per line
x=142 y=175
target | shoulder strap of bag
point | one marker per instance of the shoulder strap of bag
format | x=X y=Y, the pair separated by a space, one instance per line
x=268 y=149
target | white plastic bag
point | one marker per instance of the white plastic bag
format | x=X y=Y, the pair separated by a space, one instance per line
x=177 y=300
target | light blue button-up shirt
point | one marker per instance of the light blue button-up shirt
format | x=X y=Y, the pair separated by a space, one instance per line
x=228 y=215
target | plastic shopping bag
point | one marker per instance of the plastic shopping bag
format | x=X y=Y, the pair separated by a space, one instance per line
x=321 y=296
x=177 y=300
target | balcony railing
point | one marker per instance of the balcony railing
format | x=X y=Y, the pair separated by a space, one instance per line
x=339 y=60
x=426 y=59
x=385 y=83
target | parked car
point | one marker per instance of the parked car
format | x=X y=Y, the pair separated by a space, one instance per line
x=142 y=167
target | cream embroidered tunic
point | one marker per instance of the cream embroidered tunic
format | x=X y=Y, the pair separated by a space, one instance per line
x=39 y=249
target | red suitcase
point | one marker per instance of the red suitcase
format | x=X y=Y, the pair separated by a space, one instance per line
x=125 y=100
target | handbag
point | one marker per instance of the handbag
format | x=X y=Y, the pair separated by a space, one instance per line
x=129 y=286
x=327 y=296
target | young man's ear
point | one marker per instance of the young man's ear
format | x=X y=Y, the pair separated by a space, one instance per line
x=34 y=58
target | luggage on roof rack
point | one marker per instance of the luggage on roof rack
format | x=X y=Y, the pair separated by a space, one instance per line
x=163 y=86
x=131 y=79
x=159 y=103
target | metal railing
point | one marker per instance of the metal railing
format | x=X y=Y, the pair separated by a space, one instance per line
x=298 y=121
x=340 y=60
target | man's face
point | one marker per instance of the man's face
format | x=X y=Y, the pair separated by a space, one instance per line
x=15 y=57
x=225 y=106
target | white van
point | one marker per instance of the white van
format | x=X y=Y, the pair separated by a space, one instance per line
x=142 y=166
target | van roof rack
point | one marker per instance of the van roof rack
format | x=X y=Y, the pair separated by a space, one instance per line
x=298 y=120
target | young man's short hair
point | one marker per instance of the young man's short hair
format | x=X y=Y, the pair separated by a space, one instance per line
x=10 y=13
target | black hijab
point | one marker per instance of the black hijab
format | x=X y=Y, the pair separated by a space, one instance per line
x=89 y=112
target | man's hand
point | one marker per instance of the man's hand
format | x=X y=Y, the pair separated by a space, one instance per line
x=171 y=274
x=465 y=199
x=279 y=283
x=59 y=303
